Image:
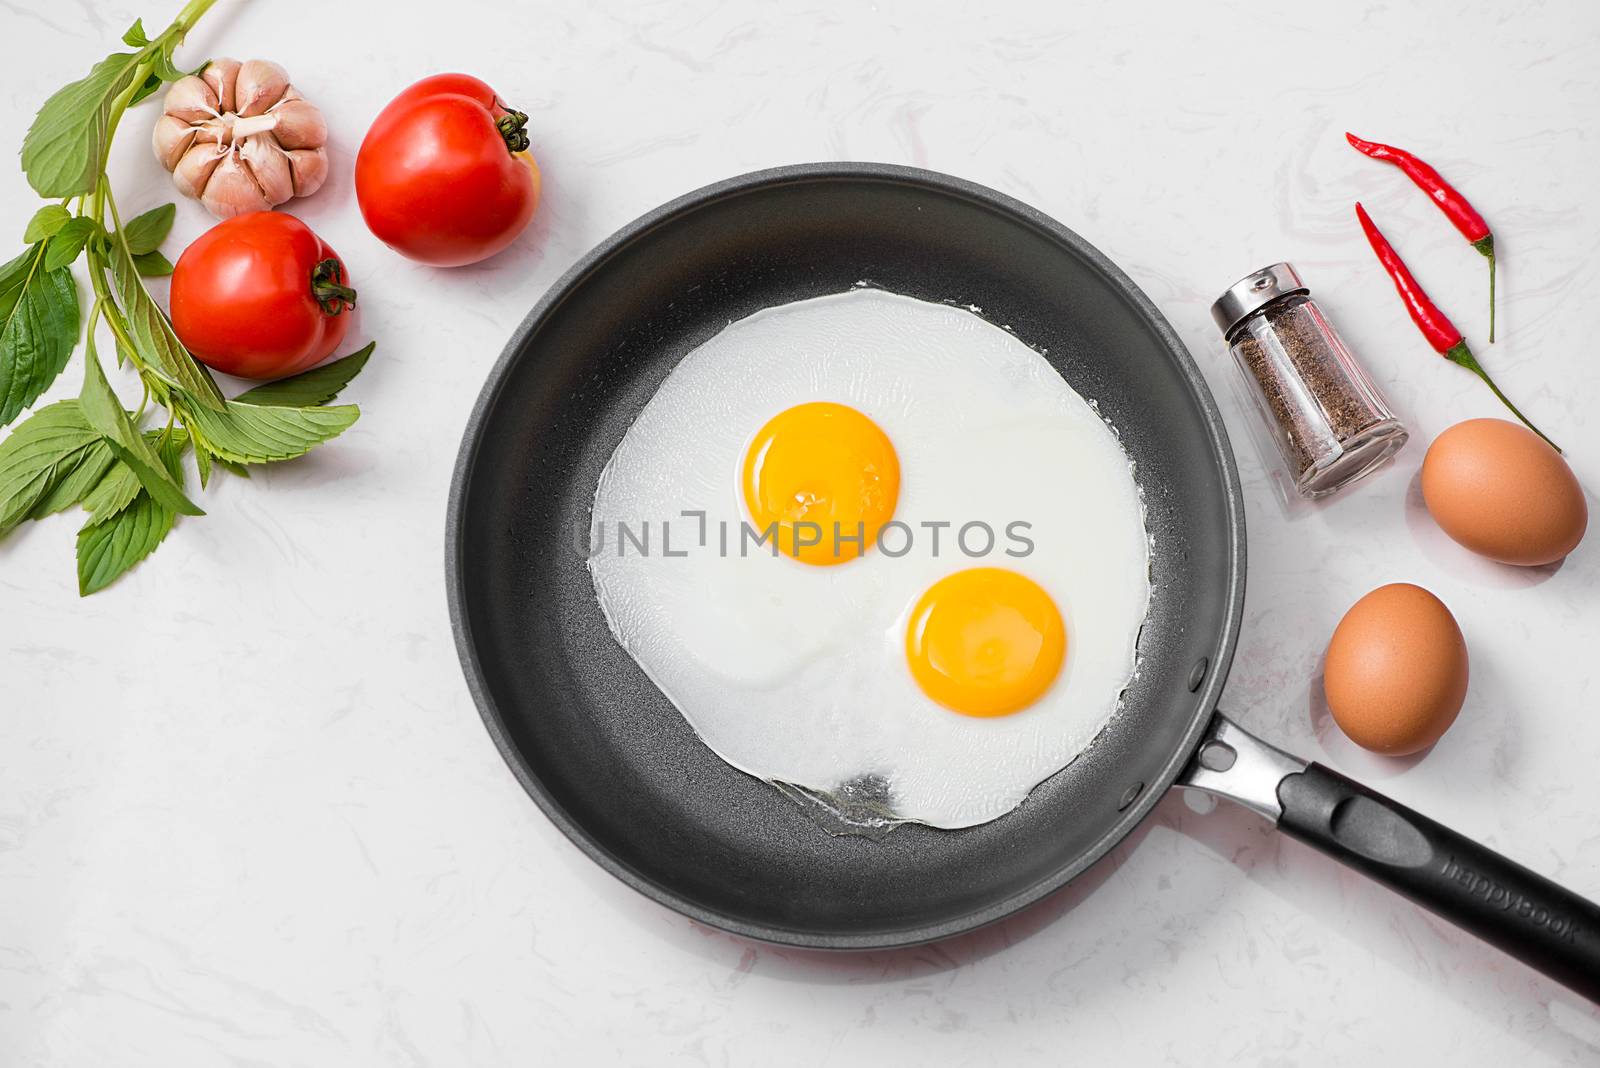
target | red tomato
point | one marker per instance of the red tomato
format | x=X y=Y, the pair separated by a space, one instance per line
x=260 y=296
x=444 y=175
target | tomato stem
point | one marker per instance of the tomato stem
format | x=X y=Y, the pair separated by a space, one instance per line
x=327 y=286
x=511 y=126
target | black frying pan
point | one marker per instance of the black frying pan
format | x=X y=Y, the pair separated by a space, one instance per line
x=618 y=768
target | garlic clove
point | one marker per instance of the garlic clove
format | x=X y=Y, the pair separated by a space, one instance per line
x=171 y=138
x=269 y=166
x=232 y=191
x=194 y=168
x=191 y=100
x=299 y=124
x=214 y=131
x=261 y=84
x=221 y=74
x=309 y=168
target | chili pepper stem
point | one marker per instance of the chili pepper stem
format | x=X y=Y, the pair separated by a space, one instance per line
x=1485 y=245
x=1460 y=355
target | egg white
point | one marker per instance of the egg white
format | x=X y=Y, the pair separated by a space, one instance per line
x=796 y=673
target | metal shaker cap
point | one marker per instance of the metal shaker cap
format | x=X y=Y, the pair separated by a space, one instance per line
x=1253 y=292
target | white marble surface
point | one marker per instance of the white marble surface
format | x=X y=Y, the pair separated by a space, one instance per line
x=248 y=814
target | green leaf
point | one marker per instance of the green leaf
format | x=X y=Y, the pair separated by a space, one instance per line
x=105 y=413
x=107 y=550
x=120 y=486
x=46 y=221
x=13 y=276
x=165 y=71
x=36 y=456
x=63 y=148
x=135 y=36
x=310 y=388
x=68 y=242
x=78 y=477
x=256 y=434
x=202 y=464
x=146 y=89
x=39 y=329
x=144 y=233
x=153 y=335
x=112 y=493
x=152 y=265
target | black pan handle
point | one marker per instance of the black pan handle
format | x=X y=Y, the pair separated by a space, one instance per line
x=1526 y=915
x=1541 y=924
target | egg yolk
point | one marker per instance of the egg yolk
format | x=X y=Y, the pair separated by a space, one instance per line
x=985 y=642
x=824 y=478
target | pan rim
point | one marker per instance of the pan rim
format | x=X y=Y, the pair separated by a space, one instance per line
x=1205 y=700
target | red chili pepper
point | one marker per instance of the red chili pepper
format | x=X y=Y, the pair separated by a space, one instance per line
x=1450 y=201
x=1434 y=324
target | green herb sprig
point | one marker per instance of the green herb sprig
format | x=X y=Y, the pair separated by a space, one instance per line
x=93 y=452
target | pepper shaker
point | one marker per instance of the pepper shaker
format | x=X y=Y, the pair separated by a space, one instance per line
x=1330 y=424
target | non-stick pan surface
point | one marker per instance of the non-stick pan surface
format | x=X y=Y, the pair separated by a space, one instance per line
x=608 y=757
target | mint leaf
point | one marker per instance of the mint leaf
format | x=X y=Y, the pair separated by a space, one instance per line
x=310 y=388
x=152 y=333
x=144 y=233
x=68 y=242
x=106 y=550
x=105 y=413
x=46 y=221
x=35 y=456
x=78 y=475
x=13 y=276
x=120 y=485
x=256 y=434
x=38 y=328
x=165 y=71
x=152 y=265
x=62 y=151
x=146 y=88
x=112 y=493
x=202 y=464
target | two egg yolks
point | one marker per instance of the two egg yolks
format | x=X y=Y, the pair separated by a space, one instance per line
x=825 y=479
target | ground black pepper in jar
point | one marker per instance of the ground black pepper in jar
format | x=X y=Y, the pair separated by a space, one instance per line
x=1329 y=422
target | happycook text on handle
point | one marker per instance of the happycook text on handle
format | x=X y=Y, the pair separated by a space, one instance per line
x=1543 y=925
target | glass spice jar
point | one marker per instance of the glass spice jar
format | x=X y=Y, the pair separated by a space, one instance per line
x=1329 y=422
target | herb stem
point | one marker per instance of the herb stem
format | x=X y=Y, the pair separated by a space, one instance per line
x=106 y=305
x=187 y=18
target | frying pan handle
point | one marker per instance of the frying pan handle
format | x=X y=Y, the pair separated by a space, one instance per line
x=1505 y=904
x=1508 y=906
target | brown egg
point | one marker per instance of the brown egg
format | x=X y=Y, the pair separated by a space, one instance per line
x=1499 y=490
x=1396 y=670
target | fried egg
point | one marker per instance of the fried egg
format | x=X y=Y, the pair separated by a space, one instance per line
x=874 y=546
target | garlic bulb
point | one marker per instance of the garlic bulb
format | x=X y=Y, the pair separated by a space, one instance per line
x=240 y=138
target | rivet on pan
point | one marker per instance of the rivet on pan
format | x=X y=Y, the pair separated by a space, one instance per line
x=1197 y=674
x=1130 y=796
x=1218 y=756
